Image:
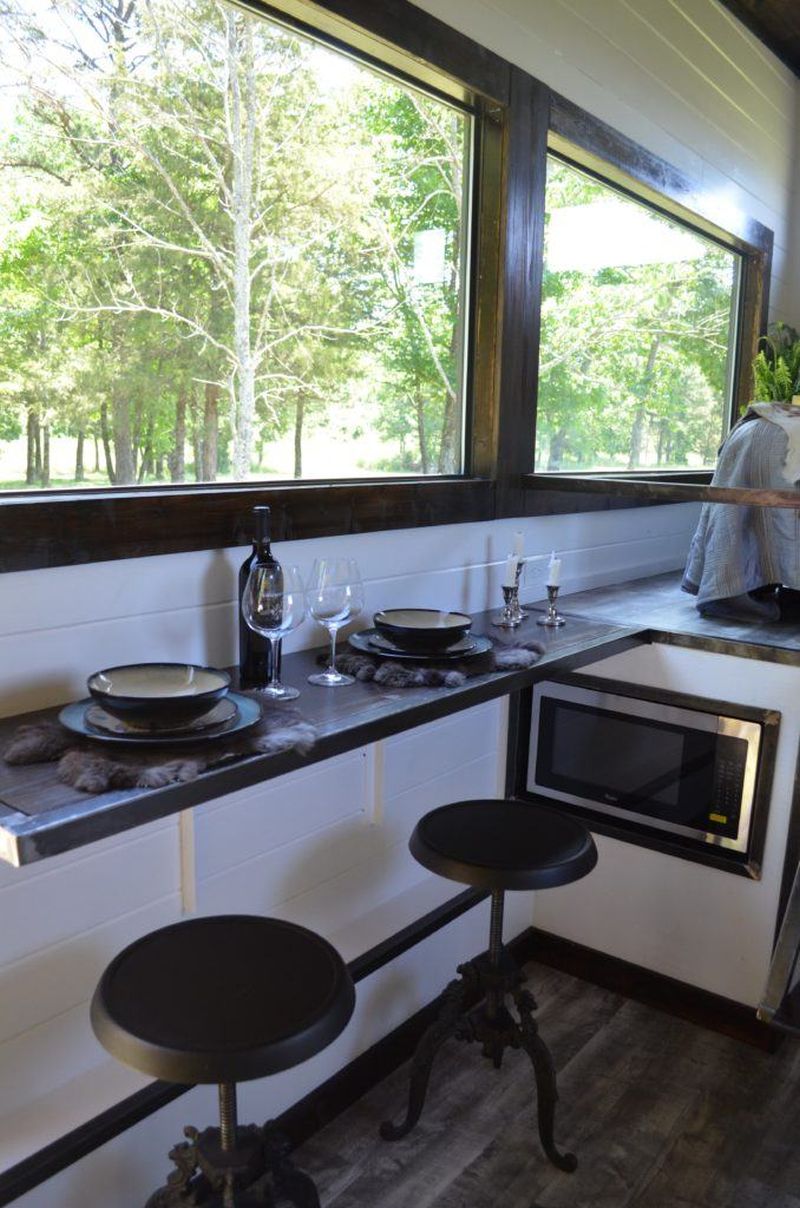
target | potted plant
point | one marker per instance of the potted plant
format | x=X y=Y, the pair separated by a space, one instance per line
x=776 y=367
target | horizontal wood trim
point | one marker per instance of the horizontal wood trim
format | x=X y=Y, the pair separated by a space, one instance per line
x=41 y=530
x=659 y=491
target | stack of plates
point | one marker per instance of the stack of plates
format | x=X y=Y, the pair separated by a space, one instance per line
x=421 y=635
x=154 y=704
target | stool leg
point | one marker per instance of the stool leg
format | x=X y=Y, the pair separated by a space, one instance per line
x=545 y=1074
x=227 y=1134
x=444 y=1026
x=293 y=1184
x=494 y=990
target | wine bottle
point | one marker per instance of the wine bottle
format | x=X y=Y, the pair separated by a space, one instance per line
x=255 y=657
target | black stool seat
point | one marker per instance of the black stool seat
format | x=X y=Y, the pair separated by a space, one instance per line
x=222 y=999
x=503 y=845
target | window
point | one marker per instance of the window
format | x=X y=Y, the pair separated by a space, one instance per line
x=638 y=336
x=229 y=253
x=292 y=254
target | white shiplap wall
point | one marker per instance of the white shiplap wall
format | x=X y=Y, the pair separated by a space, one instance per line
x=326 y=847
x=682 y=77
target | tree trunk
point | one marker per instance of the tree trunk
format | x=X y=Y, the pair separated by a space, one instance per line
x=33 y=424
x=422 y=435
x=637 y=437
x=210 y=431
x=558 y=447
x=177 y=457
x=299 y=415
x=448 y=454
x=96 y=454
x=640 y=414
x=242 y=102
x=125 y=468
x=106 y=435
x=146 y=464
x=197 y=442
x=45 y=469
x=79 y=474
x=37 y=452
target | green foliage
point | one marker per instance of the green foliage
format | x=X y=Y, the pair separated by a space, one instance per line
x=634 y=354
x=208 y=245
x=776 y=367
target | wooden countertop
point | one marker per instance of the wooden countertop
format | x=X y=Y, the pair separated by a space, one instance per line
x=40 y=816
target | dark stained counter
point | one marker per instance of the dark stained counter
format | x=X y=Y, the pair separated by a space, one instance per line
x=658 y=605
x=40 y=816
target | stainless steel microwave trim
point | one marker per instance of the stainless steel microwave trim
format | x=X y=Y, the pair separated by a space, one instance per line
x=735 y=727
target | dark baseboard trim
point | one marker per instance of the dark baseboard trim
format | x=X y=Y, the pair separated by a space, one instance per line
x=698 y=1006
x=74 y=1145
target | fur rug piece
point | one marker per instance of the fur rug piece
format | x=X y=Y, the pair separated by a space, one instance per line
x=84 y=766
x=394 y=674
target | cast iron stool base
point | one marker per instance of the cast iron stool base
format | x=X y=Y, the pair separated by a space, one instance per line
x=490 y=979
x=234 y=1167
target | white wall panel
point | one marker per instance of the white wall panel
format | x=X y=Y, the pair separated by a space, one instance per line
x=698 y=924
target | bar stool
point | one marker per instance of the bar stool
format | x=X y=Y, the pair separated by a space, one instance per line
x=223 y=1000
x=495 y=845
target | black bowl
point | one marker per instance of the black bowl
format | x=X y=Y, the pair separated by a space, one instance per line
x=422 y=629
x=168 y=693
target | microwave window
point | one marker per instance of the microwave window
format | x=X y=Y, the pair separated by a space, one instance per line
x=623 y=758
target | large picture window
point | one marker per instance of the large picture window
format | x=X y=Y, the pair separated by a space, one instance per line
x=638 y=337
x=228 y=252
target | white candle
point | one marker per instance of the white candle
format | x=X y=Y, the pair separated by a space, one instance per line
x=519 y=543
x=554 y=571
x=511 y=571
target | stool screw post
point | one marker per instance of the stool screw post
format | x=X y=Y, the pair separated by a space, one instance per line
x=227 y=1115
x=496 y=928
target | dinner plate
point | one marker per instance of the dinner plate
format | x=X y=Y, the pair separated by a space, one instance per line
x=74 y=717
x=369 y=641
x=222 y=716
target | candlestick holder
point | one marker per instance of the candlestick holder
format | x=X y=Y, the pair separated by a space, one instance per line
x=511 y=615
x=552 y=618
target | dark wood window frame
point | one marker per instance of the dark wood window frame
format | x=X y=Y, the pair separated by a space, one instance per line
x=518 y=119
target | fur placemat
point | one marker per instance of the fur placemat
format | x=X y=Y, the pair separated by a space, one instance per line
x=84 y=766
x=391 y=673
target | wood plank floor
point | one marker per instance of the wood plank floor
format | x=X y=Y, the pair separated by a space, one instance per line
x=660 y=1113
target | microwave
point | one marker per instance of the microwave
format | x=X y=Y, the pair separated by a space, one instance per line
x=655 y=761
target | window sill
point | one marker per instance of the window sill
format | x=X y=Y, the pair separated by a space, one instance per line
x=612 y=491
x=46 y=529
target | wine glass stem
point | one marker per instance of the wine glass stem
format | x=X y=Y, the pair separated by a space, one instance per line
x=273 y=662
x=332 y=657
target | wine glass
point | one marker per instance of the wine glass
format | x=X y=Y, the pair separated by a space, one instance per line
x=274 y=603
x=335 y=594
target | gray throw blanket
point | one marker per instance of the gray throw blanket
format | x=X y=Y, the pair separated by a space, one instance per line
x=737 y=548
x=86 y=767
x=510 y=655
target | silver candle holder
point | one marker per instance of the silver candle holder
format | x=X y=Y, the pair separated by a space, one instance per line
x=552 y=618
x=511 y=615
